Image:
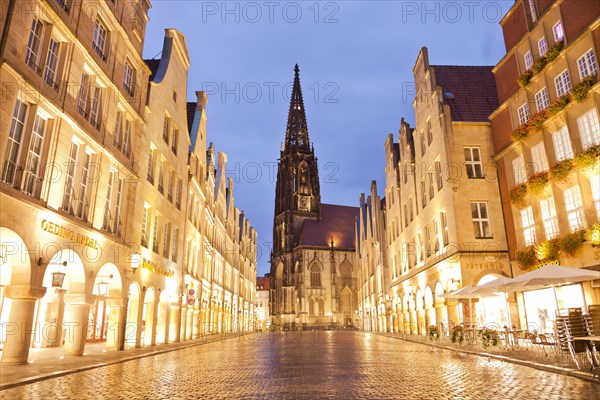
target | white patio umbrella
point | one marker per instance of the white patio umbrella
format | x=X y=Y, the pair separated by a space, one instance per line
x=550 y=275
x=496 y=286
x=466 y=293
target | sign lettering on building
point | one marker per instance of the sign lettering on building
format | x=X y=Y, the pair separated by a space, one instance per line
x=153 y=267
x=484 y=265
x=69 y=234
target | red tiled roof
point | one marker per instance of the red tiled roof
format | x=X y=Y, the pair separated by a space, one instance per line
x=263 y=282
x=469 y=90
x=336 y=222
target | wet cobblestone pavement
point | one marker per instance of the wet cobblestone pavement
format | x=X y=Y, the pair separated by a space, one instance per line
x=311 y=365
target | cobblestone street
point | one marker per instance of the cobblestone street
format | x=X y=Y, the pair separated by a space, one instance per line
x=344 y=365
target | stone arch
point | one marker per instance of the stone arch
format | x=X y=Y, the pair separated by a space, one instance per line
x=419 y=304
x=15 y=263
x=438 y=292
x=15 y=269
x=428 y=297
x=495 y=272
x=491 y=311
x=65 y=302
x=105 y=311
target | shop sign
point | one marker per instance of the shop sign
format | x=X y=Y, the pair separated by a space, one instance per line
x=484 y=265
x=152 y=267
x=69 y=234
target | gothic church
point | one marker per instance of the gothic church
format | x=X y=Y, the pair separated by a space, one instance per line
x=313 y=280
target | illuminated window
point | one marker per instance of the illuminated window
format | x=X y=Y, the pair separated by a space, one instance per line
x=528 y=60
x=528 y=224
x=523 y=112
x=587 y=64
x=558 y=32
x=473 y=162
x=549 y=217
x=539 y=158
x=444 y=222
x=562 y=83
x=481 y=220
x=562 y=144
x=541 y=99
x=574 y=206
x=519 y=172
x=542 y=46
x=589 y=128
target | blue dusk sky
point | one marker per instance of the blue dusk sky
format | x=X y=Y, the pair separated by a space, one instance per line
x=356 y=60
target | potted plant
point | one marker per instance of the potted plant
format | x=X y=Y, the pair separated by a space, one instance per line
x=525 y=78
x=560 y=171
x=559 y=104
x=571 y=242
x=457 y=335
x=489 y=337
x=581 y=90
x=593 y=235
x=433 y=332
x=537 y=182
x=518 y=193
x=520 y=134
x=526 y=258
x=587 y=160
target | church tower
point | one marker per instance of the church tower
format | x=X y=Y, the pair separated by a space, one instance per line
x=297 y=198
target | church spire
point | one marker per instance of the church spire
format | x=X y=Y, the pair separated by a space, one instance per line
x=296 y=134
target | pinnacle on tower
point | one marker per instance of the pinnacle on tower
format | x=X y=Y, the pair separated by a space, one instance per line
x=296 y=134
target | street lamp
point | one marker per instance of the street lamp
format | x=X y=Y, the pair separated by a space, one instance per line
x=58 y=277
x=330 y=318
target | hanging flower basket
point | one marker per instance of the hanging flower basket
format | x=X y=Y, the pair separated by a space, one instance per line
x=559 y=104
x=537 y=182
x=518 y=193
x=548 y=250
x=593 y=235
x=520 y=134
x=525 y=78
x=527 y=258
x=560 y=171
x=587 y=159
x=580 y=91
x=539 y=64
x=554 y=51
x=571 y=242
x=536 y=122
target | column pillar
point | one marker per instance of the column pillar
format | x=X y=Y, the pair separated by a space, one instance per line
x=174 y=314
x=453 y=318
x=182 y=322
x=19 y=327
x=114 y=333
x=76 y=322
